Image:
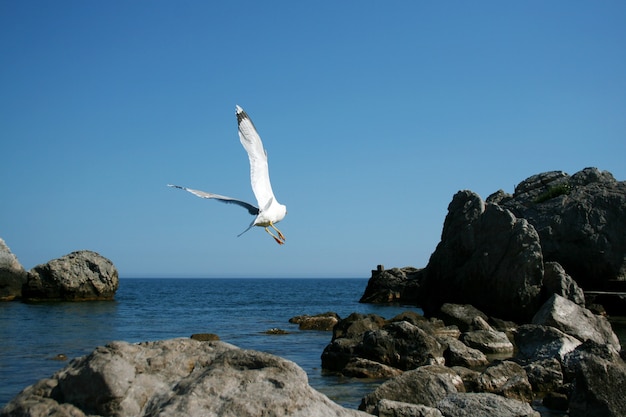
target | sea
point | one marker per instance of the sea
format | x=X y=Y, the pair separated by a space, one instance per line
x=239 y=311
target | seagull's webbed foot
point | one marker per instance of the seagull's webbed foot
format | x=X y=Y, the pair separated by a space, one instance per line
x=280 y=239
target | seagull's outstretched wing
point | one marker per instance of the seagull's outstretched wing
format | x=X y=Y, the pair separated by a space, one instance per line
x=251 y=209
x=259 y=171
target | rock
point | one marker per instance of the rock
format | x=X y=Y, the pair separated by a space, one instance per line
x=365 y=368
x=580 y=220
x=426 y=385
x=488 y=341
x=460 y=315
x=356 y=324
x=78 y=276
x=545 y=375
x=401 y=345
x=508 y=379
x=556 y=401
x=323 y=321
x=12 y=274
x=487 y=258
x=556 y=281
x=177 y=377
x=276 y=331
x=484 y=405
x=388 y=408
x=205 y=337
x=397 y=284
x=458 y=353
x=536 y=342
x=576 y=321
x=599 y=383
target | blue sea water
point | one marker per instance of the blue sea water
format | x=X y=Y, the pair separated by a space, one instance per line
x=239 y=311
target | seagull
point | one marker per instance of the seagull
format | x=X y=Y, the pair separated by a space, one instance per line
x=269 y=211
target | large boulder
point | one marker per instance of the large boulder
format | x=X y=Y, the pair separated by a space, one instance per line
x=78 y=276
x=12 y=274
x=577 y=321
x=323 y=321
x=177 y=377
x=535 y=342
x=487 y=258
x=484 y=405
x=580 y=219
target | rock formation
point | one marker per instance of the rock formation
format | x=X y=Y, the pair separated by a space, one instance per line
x=177 y=377
x=78 y=276
x=12 y=274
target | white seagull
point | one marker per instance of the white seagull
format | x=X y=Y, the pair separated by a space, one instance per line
x=269 y=210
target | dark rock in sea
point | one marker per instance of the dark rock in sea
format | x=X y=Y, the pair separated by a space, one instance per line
x=205 y=337
x=323 y=321
x=78 y=276
x=12 y=274
x=365 y=368
x=576 y=321
x=535 y=342
x=276 y=331
x=176 y=377
x=487 y=258
x=388 y=286
x=580 y=220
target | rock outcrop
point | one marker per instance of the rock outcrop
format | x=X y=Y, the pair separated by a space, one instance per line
x=322 y=321
x=78 y=276
x=12 y=274
x=177 y=377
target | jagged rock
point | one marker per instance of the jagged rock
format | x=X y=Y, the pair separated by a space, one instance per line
x=397 y=284
x=458 y=353
x=557 y=281
x=365 y=368
x=426 y=385
x=177 y=377
x=508 y=379
x=12 y=274
x=488 y=341
x=389 y=408
x=484 y=405
x=581 y=221
x=469 y=376
x=401 y=345
x=535 y=342
x=599 y=382
x=356 y=324
x=576 y=321
x=487 y=258
x=323 y=321
x=460 y=315
x=78 y=276
x=545 y=375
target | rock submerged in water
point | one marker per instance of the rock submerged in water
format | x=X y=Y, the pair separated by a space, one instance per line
x=78 y=276
x=176 y=377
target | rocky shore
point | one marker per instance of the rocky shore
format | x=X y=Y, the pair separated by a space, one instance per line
x=506 y=327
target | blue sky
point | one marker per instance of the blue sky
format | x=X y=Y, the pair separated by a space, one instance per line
x=373 y=115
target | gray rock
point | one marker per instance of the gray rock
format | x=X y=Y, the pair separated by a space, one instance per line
x=426 y=385
x=488 y=341
x=388 y=408
x=599 y=383
x=78 y=276
x=460 y=315
x=581 y=221
x=545 y=375
x=365 y=368
x=576 y=321
x=508 y=379
x=458 y=353
x=487 y=258
x=178 y=377
x=484 y=405
x=12 y=274
x=557 y=281
x=535 y=342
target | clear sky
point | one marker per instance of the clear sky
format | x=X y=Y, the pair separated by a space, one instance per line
x=374 y=114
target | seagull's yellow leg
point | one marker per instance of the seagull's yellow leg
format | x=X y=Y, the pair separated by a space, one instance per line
x=280 y=242
x=282 y=237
